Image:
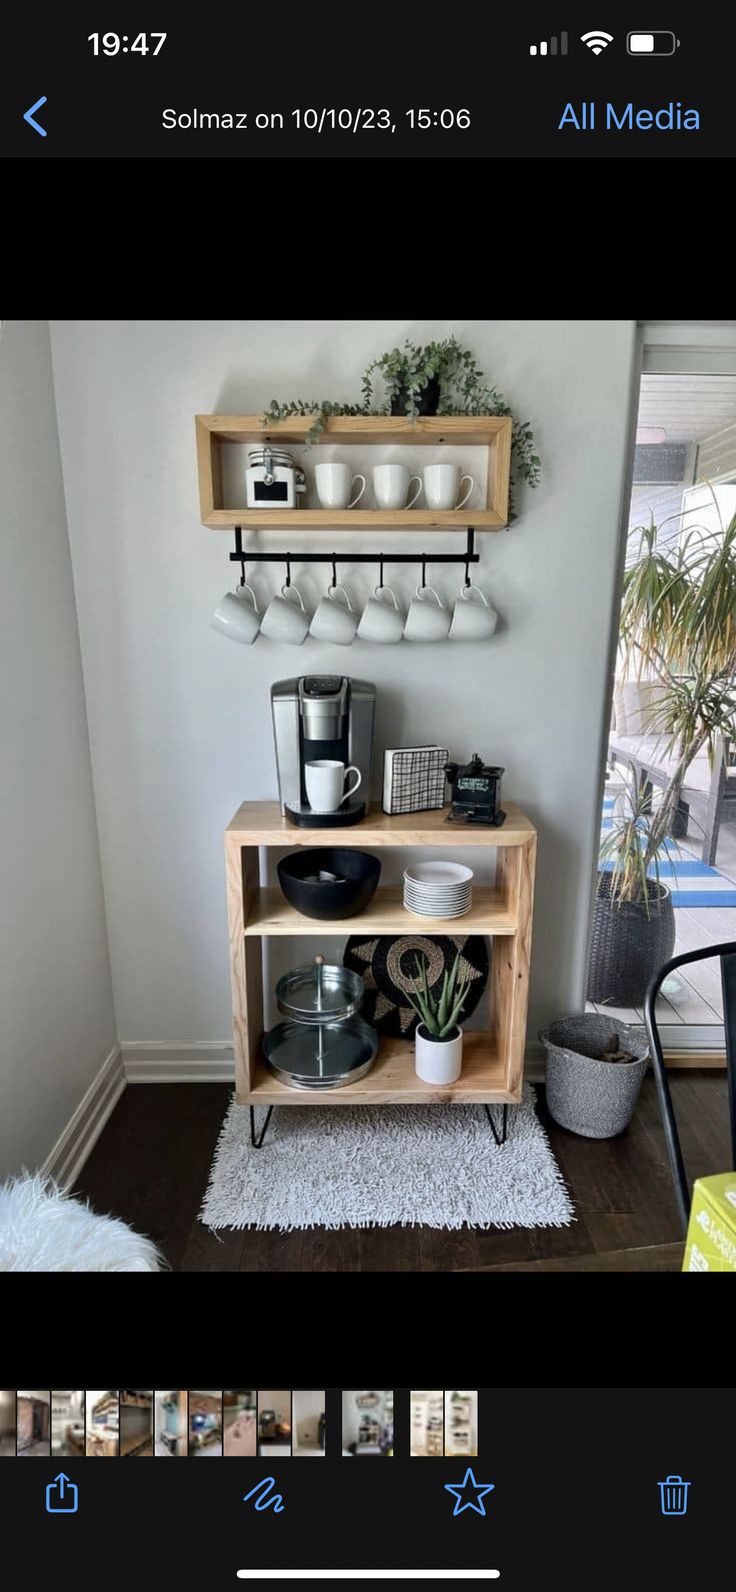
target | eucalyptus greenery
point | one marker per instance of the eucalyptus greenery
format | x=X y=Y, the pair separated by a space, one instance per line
x=405 y=373
x=463 y=391
x=439 y=1012
x=319 y=408
x=678 y=630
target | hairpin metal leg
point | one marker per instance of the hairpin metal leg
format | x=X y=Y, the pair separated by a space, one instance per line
x=504 y=1124
x=257 y=1142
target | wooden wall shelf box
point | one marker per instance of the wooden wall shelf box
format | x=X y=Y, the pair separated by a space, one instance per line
x=492 y=432
x=493 y=1058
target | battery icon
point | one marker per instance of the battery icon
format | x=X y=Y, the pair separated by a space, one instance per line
x=660 y=42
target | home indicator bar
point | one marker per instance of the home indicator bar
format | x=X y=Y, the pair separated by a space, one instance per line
x=368 y=1575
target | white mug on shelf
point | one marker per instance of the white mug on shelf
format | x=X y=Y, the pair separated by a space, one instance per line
x=334 y=483
x=325 y=782
x=426 y=620
x=471 y=620
x=380 y=621
x=284 y=620
x=237 y=616
x=391 y=483
x=334 y=620
x=442 y=482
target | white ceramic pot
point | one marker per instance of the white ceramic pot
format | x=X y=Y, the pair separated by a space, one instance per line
x=438 y=1061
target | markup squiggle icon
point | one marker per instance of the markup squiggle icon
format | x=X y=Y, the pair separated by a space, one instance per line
x=262 y=1501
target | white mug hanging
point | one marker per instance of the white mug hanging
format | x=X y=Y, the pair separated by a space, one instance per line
x=283 y=620
x=334 y=620
x=426 y=620
x=471 y=620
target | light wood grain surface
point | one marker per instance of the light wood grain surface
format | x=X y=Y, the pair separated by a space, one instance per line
x=473 y=430
x=393 y=1081
x=263 y=824
x=490 y=431
x=493 y=1060
x=376 y=519
x=270 y=913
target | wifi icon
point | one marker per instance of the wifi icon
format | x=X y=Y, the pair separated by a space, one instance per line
x=596 y=40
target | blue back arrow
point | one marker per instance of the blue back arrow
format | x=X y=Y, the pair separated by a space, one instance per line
x=28 y=115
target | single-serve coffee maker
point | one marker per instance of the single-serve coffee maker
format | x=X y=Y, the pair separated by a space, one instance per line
x=322 y=718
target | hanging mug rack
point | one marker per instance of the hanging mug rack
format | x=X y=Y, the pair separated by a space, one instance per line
x=243 y=557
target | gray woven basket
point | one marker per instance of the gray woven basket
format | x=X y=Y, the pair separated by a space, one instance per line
x=592 y=1097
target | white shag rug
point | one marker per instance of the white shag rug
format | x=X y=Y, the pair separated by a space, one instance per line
x=365 y=1166
x=43 y=1229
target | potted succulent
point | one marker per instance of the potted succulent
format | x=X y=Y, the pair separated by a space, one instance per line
x=678 y=630
x=423 y=379
x=439 y=1038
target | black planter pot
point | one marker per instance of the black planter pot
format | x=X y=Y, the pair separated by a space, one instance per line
x=628 y=946
x=427 y=402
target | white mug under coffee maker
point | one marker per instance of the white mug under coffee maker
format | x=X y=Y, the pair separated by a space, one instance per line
x=325 y=782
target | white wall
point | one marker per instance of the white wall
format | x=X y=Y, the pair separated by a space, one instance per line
x=56 y=1012
x=180 y=719
x=279 y=1402
x=307 y=1407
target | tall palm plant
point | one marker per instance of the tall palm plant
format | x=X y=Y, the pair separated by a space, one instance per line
x=678 y=627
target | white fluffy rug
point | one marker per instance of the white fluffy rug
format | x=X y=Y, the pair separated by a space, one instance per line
x=371 y=1166
x=42 y=1229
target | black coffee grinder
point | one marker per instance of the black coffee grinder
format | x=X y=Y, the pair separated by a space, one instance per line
x=476 y=793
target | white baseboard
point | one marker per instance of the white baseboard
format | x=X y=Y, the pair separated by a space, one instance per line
x=78 y=1138
x=214 y=1063
x=185 y=1063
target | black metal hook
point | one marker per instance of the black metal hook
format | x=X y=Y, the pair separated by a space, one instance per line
x=424 y=569
x=288 y=569
x=380 y=571
x=242 y=571
x=467 y=571
x=334 y=573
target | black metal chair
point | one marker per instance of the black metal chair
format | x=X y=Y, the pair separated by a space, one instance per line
x=727 y=954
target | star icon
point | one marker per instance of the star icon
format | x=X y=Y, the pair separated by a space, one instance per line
x=469 y=1484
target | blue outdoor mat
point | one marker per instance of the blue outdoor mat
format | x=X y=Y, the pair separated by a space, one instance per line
x=691 y=883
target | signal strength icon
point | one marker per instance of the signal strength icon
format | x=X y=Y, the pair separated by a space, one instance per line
x=596 y=40
x=549 y=47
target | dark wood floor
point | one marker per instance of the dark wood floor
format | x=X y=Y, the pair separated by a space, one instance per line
x=151 y=1164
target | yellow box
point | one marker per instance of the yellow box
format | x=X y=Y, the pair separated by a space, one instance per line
x=711 y=1234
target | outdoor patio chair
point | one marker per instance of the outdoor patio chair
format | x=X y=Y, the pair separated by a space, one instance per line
x=727 y=954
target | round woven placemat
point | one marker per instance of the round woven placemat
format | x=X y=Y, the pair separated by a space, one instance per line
x=388 y=963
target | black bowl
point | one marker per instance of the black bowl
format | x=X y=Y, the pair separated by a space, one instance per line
x=356 y=879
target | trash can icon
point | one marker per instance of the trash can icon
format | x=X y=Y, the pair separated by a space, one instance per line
x=673 y=1494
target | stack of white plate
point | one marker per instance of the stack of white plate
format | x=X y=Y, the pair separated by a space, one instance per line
x=438 y=889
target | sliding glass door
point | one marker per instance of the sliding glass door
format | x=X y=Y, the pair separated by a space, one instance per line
x=668 y=818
